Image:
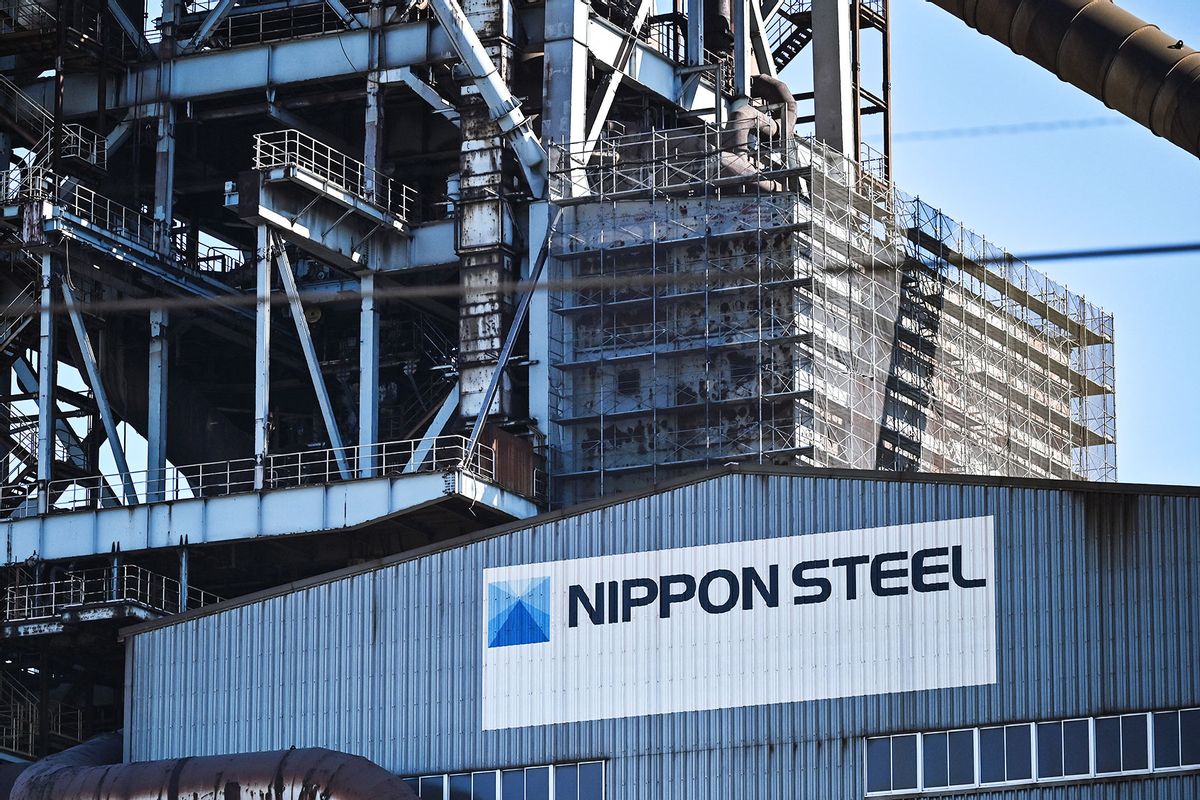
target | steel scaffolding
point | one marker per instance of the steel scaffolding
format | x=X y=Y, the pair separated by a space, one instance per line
x=777 y=302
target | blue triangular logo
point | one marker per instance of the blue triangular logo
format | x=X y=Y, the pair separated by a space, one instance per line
x=518 y=612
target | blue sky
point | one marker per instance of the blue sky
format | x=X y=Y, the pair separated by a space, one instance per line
x=1109 y=185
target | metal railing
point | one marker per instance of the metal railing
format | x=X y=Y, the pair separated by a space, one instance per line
x=291 y=148
x=19 y=719
x=25 y=15
x=695 y=158
x=100 y=212
x=667 y=33
x=77 y=141
x=281 y=471
x=128 y=584
x=17 y=313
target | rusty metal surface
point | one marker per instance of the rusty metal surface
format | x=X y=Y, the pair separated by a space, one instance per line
x=88 y=772
x=1129 y=64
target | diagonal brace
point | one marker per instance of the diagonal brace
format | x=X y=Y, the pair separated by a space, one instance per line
x=215 y=17
x=93 y=373
x=344 y=14
x=602 y=101
x=310 y=355
x=504 y=109
x=132 y=31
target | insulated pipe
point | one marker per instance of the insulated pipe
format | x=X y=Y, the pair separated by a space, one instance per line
x=1128 y=64
x=774 y=90
x=91 y=771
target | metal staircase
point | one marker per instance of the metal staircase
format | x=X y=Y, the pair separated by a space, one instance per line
x=20 y=718
x=790 y=31
x=35 y=125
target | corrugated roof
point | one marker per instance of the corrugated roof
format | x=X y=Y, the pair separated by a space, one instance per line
x=1089 y=487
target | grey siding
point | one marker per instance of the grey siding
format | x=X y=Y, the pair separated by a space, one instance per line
x=1098 y=608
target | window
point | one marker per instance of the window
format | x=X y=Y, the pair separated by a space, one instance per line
x=1063 y=749
x=892 y=763
x=583 y=781
x=629 y=382
x=1121 y=744
x=948 y=759
x=1189 y=737
x=1057 y=750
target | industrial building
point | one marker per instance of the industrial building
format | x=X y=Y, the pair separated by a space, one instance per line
x=295 y=285
x=751 y=633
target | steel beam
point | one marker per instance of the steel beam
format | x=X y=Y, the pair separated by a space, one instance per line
x=742 y=51
x=164 y=174
x=695 y=32
x=28 y=381
x=510 y=341
x=132 y=31
x=262 y=357
x=92 y=369
x=47 y=379
x=368 y=380
x=505 y=109
x=183 y=577
x=565 y=76
x=303 y=509
x=602 y=101
x=157 y=414
x=214 y=18
x=833 y=80
x=288 y=279
x=326 y=58
x=423 y=90
x=436 y=426
x=763 y=55
x=344 y=14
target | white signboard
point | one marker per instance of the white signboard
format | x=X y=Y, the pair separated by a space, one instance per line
x=796 y=618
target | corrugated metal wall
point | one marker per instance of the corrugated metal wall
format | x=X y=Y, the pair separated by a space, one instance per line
x=1097 y=598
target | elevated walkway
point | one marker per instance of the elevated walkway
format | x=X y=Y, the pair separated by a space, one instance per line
x=302 y=493
x=334 y=207
x=127 y=594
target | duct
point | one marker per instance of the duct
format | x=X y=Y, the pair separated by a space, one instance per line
x=1127 y=63
x=775 y=91
x=91 y=771
x=504 y=109
x=735 y=155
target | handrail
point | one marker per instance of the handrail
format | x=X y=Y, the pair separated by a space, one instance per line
x=130 y=583
x=285 y=470
x=291 y=148
x=77 y=141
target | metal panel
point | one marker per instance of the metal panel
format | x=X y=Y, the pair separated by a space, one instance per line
x=1094 y=593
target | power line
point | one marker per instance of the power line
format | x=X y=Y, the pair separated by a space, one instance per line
x=1011 y=129
x=455 y=290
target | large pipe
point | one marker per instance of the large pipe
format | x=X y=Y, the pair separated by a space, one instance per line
x=90 y=772
x=1128 y=64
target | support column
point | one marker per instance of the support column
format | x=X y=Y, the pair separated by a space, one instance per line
x=742 y=52
x=565 y=78
x=368 y=321
x=833 y=78
x=156 y=423
x=484 y=226
x=183 y=576
x=164 y=172
x=695 y=32
x=368 y=380
x=262 y=358
x=47 y=380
